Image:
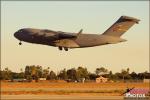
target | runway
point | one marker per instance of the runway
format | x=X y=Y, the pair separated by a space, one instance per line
x=58 y=97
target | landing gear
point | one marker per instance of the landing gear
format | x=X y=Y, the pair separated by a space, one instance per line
x=66 y=49
x=60 y=48
x=20 y=43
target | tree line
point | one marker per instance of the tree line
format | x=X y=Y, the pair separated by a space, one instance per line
x=73 y=74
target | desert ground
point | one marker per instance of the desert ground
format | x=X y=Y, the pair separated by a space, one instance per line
x=64 y=90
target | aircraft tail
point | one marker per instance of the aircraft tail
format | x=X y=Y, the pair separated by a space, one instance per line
x=121 y=26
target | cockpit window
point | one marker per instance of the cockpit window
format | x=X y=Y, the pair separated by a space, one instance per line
x=21 y=30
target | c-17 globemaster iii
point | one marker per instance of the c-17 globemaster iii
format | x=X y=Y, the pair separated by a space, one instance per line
x=77 y=40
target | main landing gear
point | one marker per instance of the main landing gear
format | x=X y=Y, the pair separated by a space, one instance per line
x=61 y=48
x=66 y=49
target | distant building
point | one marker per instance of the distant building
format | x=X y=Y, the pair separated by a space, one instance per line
x=18 y=80
x=101 y=79
x=42 y=79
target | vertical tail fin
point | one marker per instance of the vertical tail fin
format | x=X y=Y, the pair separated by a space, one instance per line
x=121 y=26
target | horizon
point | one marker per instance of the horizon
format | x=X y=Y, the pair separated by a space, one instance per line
x=70 y=16
x=58 y=71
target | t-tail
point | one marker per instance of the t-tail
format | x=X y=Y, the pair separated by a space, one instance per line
x=121 y=26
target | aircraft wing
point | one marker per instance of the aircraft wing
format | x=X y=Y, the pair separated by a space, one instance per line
x=65 y=35
x=57 y=35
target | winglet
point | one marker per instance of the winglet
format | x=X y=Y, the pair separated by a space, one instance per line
x=80 y=32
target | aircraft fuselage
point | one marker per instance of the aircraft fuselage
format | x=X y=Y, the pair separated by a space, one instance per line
x=77 y=40
x=52 y=38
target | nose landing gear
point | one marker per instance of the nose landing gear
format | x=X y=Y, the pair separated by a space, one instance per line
x=20 y=43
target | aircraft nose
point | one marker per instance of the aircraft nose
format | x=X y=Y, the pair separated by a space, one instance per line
x=18 y=34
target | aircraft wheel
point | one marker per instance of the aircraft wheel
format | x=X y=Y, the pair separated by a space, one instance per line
x=60 y=48
x=20 y=43
x=66 y=49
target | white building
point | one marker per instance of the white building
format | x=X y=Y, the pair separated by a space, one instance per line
x=101 y=79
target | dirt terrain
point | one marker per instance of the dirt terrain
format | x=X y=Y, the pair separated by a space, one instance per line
x=53 y=88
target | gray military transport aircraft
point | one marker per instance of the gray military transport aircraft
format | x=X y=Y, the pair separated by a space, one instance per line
x=77 y=40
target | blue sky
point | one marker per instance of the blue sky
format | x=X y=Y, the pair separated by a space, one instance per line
x=93 y=17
